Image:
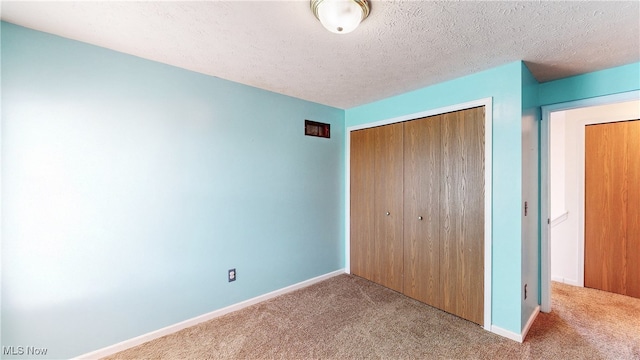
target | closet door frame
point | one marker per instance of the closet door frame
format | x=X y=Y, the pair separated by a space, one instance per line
x=488 y=154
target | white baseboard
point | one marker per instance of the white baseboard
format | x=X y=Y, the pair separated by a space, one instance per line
x=514 y=336
x=127 y=344
x=532 y=318
x=565 y=281
x=506 y=333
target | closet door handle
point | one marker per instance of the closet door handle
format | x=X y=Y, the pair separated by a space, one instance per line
x=388 y=213
x=419 y=217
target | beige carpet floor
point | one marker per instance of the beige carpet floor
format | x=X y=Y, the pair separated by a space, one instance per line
x=347 y=317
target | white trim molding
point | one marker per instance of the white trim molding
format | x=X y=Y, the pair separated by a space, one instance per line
x=506 y=333
x=545 y=211
x=488 y=154
x=565 y=281
x=127 y=344
x=514 y=336
x=529 y=323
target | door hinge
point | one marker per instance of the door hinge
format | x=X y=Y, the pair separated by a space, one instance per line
x=526 y=208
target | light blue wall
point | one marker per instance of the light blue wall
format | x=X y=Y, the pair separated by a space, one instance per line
x=530 y=194
x=504 y=85
x=130 y=187
x=599 y=83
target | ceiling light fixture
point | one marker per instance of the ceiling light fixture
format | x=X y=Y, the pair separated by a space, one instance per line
x=340 y=16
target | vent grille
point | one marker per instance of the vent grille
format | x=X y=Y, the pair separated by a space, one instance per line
x=314 y=128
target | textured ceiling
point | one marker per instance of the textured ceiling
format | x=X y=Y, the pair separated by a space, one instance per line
x=402 y=46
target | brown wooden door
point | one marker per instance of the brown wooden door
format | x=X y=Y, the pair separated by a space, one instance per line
x=462 y=214
x=633 y=211
x=362 y=205
x=612 y=182
x=422 y=209
x=388 y=217
x=376 y=190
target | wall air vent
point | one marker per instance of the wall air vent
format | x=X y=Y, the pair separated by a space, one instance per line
x=314 y=128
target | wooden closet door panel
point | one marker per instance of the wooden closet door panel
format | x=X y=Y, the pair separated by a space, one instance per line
x=388 y=185
x=605 y=207
x=362 y=203
x=421 y=199
x=633 y=209
x=462 y=214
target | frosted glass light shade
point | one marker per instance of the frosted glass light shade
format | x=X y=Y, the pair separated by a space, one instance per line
x=340 y=16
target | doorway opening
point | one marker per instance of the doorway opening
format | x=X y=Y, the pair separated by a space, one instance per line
x=562 y=160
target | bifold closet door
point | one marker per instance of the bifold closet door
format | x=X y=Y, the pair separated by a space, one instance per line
x=633 y=208
x=417 y=209
x=388 y=216
x=462 y=214
x=612 y=202
x=362 y=205
x=422 y=209
x=376 y=205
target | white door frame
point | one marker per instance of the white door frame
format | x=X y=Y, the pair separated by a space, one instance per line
x=545 y=227
x=488 y=156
